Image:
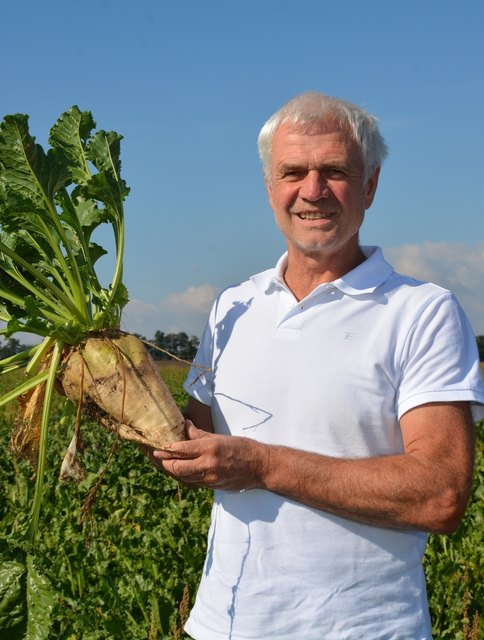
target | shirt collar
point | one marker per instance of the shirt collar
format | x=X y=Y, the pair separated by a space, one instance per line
x=365 y=278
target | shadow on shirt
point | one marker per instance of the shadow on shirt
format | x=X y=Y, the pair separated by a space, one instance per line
x=248 y=507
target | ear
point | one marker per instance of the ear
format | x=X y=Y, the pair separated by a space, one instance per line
x=370 y=188
x=269 y=189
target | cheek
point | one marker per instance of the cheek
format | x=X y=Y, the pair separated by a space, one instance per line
x=350 y=199
x=283 y=198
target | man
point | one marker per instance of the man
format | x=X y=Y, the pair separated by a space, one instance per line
x=334 y=424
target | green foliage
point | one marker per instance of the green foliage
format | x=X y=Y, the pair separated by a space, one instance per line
x=174 y=376
x=50 y=204
x=454 y=567
x=122 y=572
x=480 y=347
x=11 y=597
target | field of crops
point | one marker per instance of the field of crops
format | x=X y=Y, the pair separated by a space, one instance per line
x=130 y=569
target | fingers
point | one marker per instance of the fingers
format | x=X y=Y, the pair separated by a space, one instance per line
x=185 y=448
x=202 y=460
x=185 y=471
x=193 y=433
x=186 y=451
x=175 y=451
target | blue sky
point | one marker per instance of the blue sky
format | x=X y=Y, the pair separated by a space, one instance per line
x=189 y=84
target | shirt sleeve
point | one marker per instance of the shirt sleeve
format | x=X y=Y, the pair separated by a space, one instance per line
x=440 y=361
x=199 y=381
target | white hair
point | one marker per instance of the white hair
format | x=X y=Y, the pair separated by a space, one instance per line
x=311 y=107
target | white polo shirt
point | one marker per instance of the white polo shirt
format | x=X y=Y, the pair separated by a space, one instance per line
x=332 y=374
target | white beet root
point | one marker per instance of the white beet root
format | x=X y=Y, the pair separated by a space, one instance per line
x=119 y=385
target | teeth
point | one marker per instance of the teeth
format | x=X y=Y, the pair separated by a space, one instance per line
x=314 y=216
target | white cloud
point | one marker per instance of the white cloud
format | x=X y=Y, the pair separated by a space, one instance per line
x=182 y=311
x=455 y=266
x=138 y=316
x=192 y=300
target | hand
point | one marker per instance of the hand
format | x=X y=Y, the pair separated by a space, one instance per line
x=213 y=461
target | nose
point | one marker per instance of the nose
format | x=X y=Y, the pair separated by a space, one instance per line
x=314 y=186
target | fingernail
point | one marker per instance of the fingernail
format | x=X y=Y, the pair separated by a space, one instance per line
x=159 y=452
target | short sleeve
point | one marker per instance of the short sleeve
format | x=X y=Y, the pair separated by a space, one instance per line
x=440 y=360
x=199 y=382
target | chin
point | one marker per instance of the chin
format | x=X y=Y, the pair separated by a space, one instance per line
x=315 y=247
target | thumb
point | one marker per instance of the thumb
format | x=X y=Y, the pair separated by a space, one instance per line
x=192 y=432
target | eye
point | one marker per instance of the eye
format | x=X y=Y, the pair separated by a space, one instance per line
x=293 y=174
x=335 y=173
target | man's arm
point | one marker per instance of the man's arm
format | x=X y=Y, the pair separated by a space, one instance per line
x=425 y=488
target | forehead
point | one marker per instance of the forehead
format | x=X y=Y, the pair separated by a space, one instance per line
x=319 y=140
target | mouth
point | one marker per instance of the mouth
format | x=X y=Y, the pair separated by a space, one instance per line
x=314 y=216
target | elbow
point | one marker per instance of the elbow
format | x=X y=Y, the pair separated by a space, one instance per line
x=447 y=511
x=446 y=526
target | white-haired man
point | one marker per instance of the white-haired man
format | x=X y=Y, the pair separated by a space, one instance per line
x=334 y=423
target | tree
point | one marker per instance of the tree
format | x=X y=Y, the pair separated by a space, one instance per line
x=10 y=347
x=174 y=344
x=480 y=346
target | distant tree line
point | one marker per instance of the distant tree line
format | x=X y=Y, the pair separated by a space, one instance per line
x=164 y=344
x=10 y=347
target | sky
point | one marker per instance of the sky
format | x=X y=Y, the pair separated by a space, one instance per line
x=190 y=83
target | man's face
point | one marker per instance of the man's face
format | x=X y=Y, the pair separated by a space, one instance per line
x=316 y=189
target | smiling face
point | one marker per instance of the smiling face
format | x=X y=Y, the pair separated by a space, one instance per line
x=317 y=191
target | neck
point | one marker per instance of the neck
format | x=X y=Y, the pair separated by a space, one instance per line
x=305 y=272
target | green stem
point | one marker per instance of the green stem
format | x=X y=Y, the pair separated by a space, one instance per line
x=39 y=353
x=18 y=359
x=60 y=298
x=24 y=387
x=119 y=233
x=44 y=432
x=55 y=318
x=69 y=286
x=11 y=297
x=118 y=272
x=69 y=266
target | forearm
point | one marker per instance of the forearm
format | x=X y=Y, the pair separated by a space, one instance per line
x=424 y=488
x=394 y=491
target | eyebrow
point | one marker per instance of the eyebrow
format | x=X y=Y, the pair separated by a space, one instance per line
x=294 y=164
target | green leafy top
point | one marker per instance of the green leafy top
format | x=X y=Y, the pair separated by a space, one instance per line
x=50 y=204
